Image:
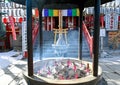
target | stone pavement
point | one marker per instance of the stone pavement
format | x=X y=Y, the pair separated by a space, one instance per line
x=12 y=75
x=111 y=70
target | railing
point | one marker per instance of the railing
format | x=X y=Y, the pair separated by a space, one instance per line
x=88 y=38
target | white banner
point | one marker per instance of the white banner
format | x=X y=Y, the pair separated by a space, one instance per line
x=102 y=10
x=111 y=21
x=24 y=36
x=33 y=11
x=107 y=19
x=64 y=12
x=117 y=10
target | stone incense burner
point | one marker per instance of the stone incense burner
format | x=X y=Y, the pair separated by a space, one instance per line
x=63 y=72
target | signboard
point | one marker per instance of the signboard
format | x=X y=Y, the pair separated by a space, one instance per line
x=102 y=32
x=111 y=21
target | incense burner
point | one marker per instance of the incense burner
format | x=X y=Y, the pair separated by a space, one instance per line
x=63 y=72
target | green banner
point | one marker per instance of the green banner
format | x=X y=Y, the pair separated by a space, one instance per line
x=50 y=12
x=74 y=12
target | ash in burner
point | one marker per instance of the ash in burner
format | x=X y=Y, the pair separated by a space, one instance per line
x=64 y=70
x=60 y=46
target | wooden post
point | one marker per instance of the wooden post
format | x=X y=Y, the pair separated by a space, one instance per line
x=40 y=32
x=96 y=37
x=29 y=37
x=80 y=32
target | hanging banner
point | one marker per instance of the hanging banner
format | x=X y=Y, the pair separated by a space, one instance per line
x=117 y=10
x=107 y=20
x=50 y=12
x=42 y=13
x=24 y=39
x=64 y=12
x=69 y=12
x=108 y=10
x=36 y=12
x=46 y=12
x=11 y=19
x=54 y=12
x=101 y=10
x=104 y=10
x=24 y=36
x=74 y=12
x=111 y=21
x=78 y=12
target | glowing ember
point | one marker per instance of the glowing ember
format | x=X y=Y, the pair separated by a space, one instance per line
x=64 y=69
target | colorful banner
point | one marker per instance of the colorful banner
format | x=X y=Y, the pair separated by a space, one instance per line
x=46 y=12
x=50 y=12
x=69 y=12
x=54 y=12
x=78 y=12
x=64 y=12
x=11 y=19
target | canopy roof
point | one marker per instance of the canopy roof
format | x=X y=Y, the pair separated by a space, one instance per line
x=42 y=3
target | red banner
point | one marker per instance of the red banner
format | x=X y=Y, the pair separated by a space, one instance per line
x=11 y=19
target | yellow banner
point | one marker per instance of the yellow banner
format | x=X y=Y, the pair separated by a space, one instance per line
x=55 y=13
x=78 y=12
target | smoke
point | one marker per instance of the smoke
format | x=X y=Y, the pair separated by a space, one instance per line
x=64 y=47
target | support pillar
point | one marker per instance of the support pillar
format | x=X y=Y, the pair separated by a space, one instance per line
x=96 y=37
x=40 y=32
x=80 y=32
x=29 y=37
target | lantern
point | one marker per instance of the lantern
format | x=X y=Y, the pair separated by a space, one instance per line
x=5 y=20
x=20 y=20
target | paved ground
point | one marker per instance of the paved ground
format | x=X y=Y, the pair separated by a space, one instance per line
x=12 y=74
x=111 y=70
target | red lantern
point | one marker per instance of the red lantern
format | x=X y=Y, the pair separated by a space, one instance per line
x=5 y=20
x=20 y=20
